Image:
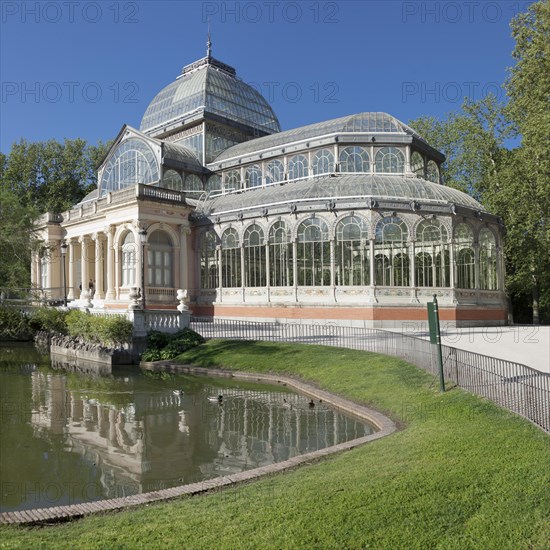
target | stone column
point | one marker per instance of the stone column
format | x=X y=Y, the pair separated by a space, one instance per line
x=84 y=273
x=98 y=239
x=110 y=295
x=183 y=282
x=71 y=279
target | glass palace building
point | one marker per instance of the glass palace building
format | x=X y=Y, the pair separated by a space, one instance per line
x=344 y=221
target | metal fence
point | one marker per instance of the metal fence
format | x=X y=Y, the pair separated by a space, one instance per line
x=514 y=386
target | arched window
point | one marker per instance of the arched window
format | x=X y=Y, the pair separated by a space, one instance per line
x=391 y=252
x=432 y=262
x=313 y=253
x=254 y=256
x=390 y=160
x=464 y=256
x=417 y=164
x=159 y=260
x=132 y=162
x=352 y=252
x=297 y=167
x=275 y=172
x=280 y=256
x=432 y=172
x=354 y=159
x=233 y=180
x=253 y=176
x=129 y=260
x=193 y=185
x=323 y=162
x=487 y=260
x=209 y=261
x=231 y=259
x=214 y=184
x=172 y=180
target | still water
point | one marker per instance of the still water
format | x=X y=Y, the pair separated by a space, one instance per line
x=67 y=437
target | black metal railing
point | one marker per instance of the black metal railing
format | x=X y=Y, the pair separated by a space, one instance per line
x=516 y=387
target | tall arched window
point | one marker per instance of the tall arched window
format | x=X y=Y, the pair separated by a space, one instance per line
x=352 y=252
x=354 y=159
x=297 y=167
x=132 y=162
x=432 y=262
x=209 y=261
x=417 y=164
x=172 y=180
x=254 y=256
x=280 y=256
x=193 y=185
x=231 y=259
x=391 y=252
x=464 y=256
x=432 y=172
x=159 y=260
x=323 y=162
x=313 y=253
x=275 y=172
x=129 y=260
x=214 y=184
x=253 y=176
x=487 y=260
x=390 y=160
x=232 y=180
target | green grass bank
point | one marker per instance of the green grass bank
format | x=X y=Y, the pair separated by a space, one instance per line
x=462 y=473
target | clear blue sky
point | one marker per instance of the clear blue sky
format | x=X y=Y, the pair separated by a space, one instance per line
x=83 y=69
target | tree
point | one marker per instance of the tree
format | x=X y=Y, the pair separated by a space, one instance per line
x=528 y=88
x=472 y=141
x=17 y=240
x=52 y=176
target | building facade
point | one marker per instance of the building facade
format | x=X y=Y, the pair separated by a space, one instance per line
x=343 y=221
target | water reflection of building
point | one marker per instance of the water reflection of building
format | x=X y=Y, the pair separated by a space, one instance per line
x=149 y=440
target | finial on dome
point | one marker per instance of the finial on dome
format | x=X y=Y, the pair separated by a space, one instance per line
x=209 y=43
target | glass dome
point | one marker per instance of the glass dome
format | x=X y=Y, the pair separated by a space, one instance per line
x=209 y=86
x=132 y=162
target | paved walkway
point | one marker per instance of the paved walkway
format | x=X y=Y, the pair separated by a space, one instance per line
x=526 y=344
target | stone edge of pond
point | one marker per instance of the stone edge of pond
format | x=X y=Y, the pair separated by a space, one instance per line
x=384 y=425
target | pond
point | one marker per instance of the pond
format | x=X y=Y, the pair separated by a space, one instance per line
x=68 y=437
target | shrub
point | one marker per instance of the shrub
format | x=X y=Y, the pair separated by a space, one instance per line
x=112 y=331
x=14 y=324
x=48 y=319
x=162 y=346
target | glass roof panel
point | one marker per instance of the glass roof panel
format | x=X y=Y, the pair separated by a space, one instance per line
x=362 y=122
x=210 y=89
x=363 y=185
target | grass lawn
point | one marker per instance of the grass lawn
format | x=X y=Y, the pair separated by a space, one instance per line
x=462 y=473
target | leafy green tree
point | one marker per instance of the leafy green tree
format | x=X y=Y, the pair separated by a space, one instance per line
x=528 y=88
x=17 y=240
x=472 y=141
x=52 y=176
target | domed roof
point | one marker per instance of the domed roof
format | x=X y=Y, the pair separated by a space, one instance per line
x=209 y=85
x=381 y=187
x=370 y=122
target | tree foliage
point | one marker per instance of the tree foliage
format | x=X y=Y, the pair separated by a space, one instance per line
x=36 y=178
x=51 y=176
x=513 y=184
